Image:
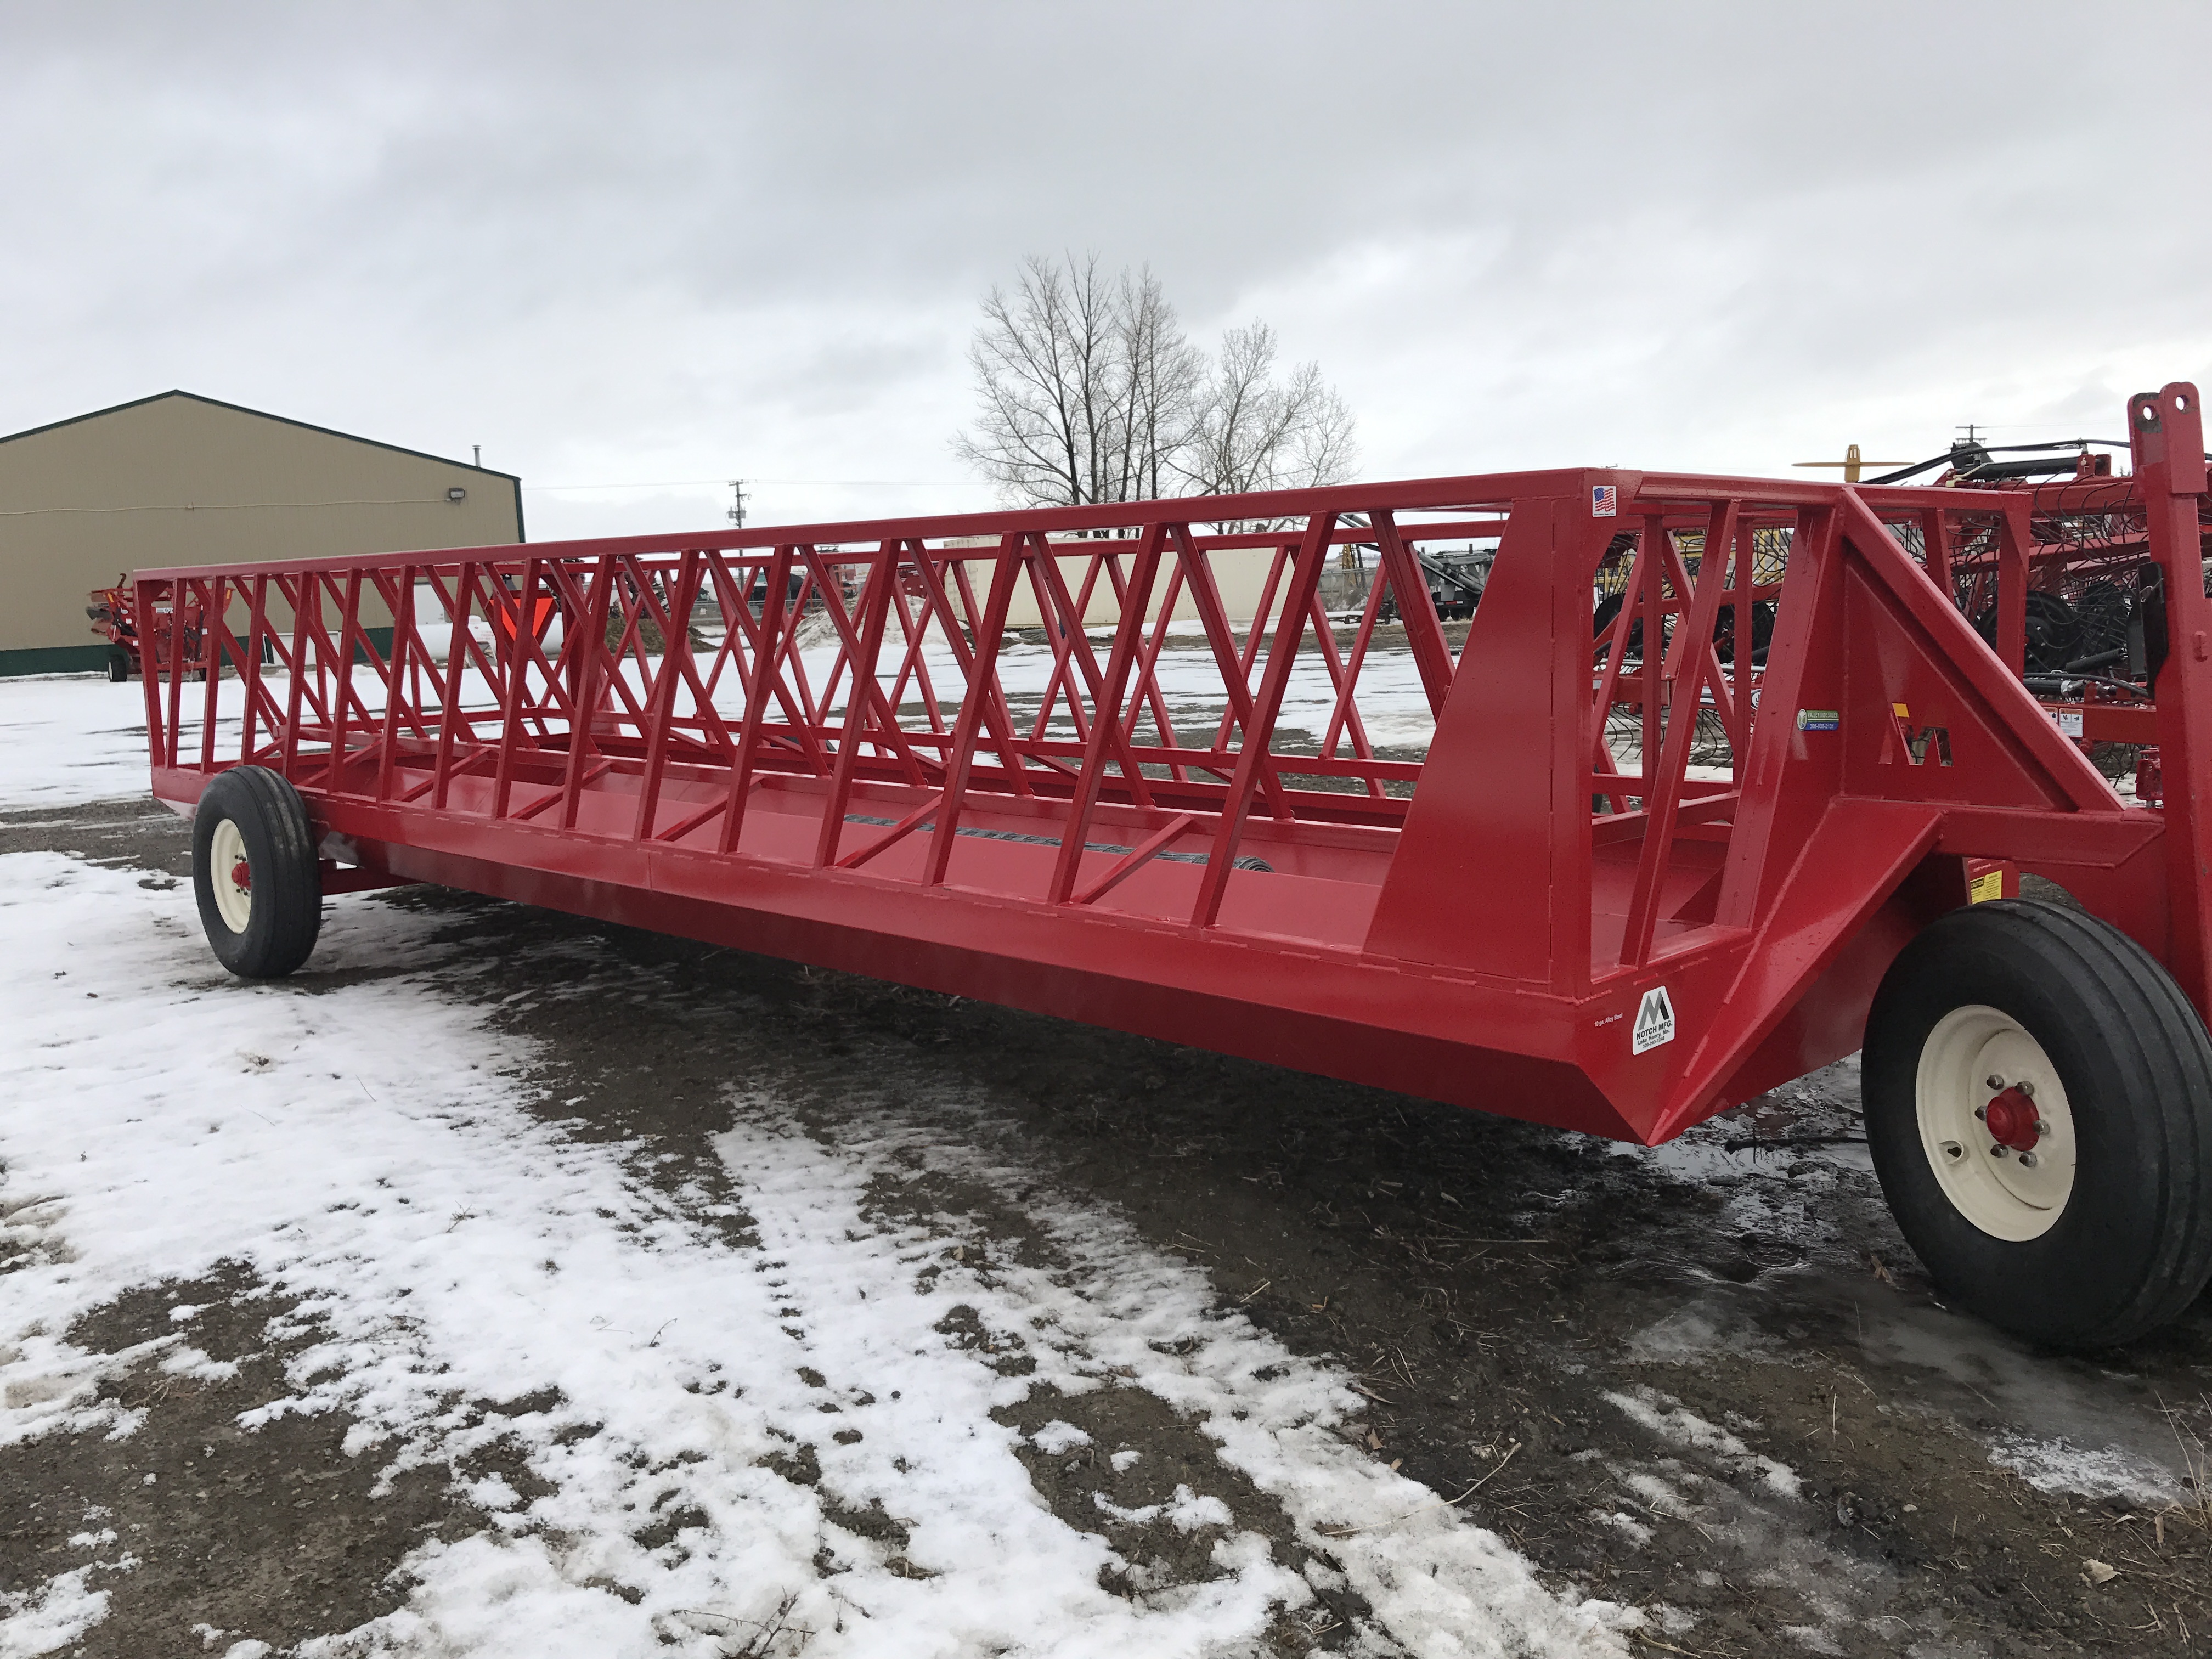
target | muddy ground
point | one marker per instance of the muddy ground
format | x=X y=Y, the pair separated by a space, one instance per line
x=1535 y=1319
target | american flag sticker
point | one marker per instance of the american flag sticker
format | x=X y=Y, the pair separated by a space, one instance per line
x=1605 y=501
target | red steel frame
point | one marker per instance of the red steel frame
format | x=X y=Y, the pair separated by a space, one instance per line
x=1479 y=925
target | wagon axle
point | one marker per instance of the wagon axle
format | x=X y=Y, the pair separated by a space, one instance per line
x=2011 y=1118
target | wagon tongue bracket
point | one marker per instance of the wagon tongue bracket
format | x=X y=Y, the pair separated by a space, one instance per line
x=2011 y=1120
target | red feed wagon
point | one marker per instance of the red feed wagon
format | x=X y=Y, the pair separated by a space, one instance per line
x=822 y=743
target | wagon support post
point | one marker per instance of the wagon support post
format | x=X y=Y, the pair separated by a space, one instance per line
x=160 y=737
x=403 y=646
x=2166 y=431
x=2013 y=543
x=594 y=668
x=949 y=577
x=863 y=695
x=1252 y=753
x=1108 y=732
x=1417 y=611
x=983 y=694
x=767 y=645
x=1663 y=773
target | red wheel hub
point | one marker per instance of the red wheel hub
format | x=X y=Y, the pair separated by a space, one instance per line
x=241 y=878
x=2011 y=1120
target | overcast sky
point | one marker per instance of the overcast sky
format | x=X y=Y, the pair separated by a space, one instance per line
x=646 y=245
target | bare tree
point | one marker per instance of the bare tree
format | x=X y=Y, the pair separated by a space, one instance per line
x=1044 y=364
x=1166 y=381
x=1258 y=433
x=1090 y=391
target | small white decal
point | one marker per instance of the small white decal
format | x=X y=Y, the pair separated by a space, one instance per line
x=2068 y=720
x=1655 y=1021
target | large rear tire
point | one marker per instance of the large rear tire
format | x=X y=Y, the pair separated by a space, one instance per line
x=256 y=874
x=2038 y=1104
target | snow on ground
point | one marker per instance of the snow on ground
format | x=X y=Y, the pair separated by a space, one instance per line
x=1670 y=1420
x=366 y=1148
x=2059 y=1465
x=70 y=738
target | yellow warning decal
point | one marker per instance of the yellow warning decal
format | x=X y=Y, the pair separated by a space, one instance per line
x=1983 y=887
x=1902 y=713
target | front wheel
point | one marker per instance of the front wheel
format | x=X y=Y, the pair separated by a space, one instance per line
x=2038 y=1104
x=256 y=874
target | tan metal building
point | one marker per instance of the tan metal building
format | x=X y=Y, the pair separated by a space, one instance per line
x=178 y=479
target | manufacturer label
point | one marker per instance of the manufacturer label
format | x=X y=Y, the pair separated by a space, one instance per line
x=2068 y=720
x=1984 y=888
x=1605 y=501
x=1818 y=719
x=1655 y=1021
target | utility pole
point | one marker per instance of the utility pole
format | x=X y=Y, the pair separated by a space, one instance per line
x=737 y=514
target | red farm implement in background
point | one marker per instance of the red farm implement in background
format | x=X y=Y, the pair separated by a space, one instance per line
x=114 y=615
x=2065 y=588
x=1515 y=877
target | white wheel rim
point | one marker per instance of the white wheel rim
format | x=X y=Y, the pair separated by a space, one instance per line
x=234 y=898
x=2013 y=1193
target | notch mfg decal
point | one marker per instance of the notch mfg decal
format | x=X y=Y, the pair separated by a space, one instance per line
x=1655 y=1021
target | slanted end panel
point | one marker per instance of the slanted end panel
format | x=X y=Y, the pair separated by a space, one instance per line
x=1472 y=884
x=1916 y=726
x=1906 y=635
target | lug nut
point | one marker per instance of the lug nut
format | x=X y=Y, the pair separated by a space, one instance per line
x=1981 y=1111
x=2027 y=1160
x=1996 y=1151
x=1994 y=1081
x=2026 y=1088
x=2041 y=1127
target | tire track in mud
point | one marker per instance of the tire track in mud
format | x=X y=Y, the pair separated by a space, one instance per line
x=1208 y=1465
x=1192 y=1446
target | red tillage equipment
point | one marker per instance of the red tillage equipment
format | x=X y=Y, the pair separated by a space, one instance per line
x=822 y=743
x=114 y=617
x=2063 y=587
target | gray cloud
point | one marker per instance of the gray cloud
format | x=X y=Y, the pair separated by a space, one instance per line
x=667 y=242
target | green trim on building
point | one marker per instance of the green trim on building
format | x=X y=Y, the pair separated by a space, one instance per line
x=55 y=659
